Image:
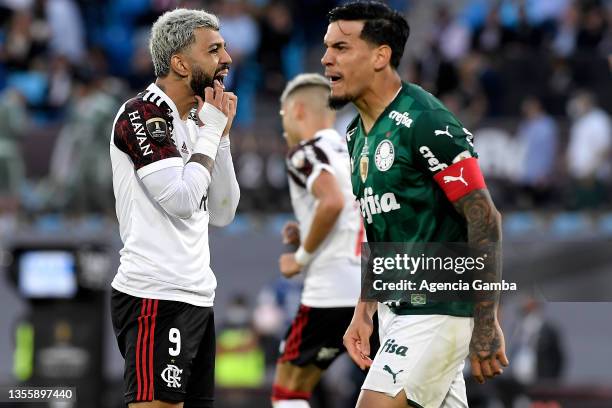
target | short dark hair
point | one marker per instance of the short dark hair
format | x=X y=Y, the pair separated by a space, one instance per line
x=382 y=25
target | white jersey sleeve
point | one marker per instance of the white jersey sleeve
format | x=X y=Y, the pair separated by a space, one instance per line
x=333 y=276
x=224 y=192
x=179 y=190
x=306 y=163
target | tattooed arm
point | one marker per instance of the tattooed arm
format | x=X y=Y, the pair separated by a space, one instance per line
x=487 y=347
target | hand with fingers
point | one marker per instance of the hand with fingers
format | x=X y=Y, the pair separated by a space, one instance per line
x=288 y=266
x=232 y=106
x=291 y=233
x=487 y=351
x=225 y=102
x=357 y=339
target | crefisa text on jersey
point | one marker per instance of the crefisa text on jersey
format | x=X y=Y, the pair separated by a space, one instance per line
x=432 y=287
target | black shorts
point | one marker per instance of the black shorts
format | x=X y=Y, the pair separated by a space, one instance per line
x=315 y=336
x=169 y=350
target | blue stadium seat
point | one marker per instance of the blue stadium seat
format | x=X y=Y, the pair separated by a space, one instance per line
x=604 y=224
x=240 y=225
x=521 y=224
x=569 y=224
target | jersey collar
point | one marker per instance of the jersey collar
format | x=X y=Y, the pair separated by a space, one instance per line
x=156 y=90
x=327 y=134
x=383 y=113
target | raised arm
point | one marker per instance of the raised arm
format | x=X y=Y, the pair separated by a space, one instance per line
x=179 y=189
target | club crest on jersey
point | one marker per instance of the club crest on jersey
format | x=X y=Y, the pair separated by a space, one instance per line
x=384 y=155
x=401 y=118
x=157 y=128
x=172 y=376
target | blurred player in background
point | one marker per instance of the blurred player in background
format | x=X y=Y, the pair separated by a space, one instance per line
x=415 y=174
x=172 y=176
x=329 y=234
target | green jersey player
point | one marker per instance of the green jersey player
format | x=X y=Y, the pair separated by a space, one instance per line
x=416 y=177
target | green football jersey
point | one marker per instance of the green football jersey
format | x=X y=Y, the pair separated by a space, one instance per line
x=392 y=173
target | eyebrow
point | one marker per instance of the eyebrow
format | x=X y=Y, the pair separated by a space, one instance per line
x=217 y=44
x=336 y=44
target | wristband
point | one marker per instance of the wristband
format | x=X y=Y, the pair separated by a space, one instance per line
x=210 y=134
x=212 y=117
x=207 y=145
x=302 y=257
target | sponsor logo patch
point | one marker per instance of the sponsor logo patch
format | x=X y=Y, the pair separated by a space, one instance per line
x=392 y=347
x=390 y=371
x=157 y=128
x=443 y=132
x=184 y=148
x=434 y=164
x=327 y=353
x=402 y=118
x=372 y=204
x=450 y=179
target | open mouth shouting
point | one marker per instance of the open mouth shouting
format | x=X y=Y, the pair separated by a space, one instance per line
x=334 y=78
x=222 y=74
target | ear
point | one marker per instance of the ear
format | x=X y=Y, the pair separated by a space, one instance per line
x=299 y=110
x=180 y=65
x=382 y=57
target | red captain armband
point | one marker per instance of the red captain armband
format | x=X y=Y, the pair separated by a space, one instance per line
x=460 y=178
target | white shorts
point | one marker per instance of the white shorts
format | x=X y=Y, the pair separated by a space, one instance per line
x=423 y=355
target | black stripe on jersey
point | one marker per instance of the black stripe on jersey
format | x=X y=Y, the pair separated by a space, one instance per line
x=303 y=158
x=156 y=99
x=297 y=178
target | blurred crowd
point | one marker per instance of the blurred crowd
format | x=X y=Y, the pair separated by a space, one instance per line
x=530 y=78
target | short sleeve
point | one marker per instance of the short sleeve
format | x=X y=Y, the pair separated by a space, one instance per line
x=306 y=161
x=441 y=140
x=143 y=131
x=446 y=152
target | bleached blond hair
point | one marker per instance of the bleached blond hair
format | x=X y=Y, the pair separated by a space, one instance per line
x=174 y=31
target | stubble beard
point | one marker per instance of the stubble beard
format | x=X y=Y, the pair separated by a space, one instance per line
x=200 y=81
x=338 y=102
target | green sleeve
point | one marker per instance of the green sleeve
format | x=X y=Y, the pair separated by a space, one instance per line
x=440 y=140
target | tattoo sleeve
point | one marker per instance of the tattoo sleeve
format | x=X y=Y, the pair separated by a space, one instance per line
x=204 y=160
x=484 y=234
